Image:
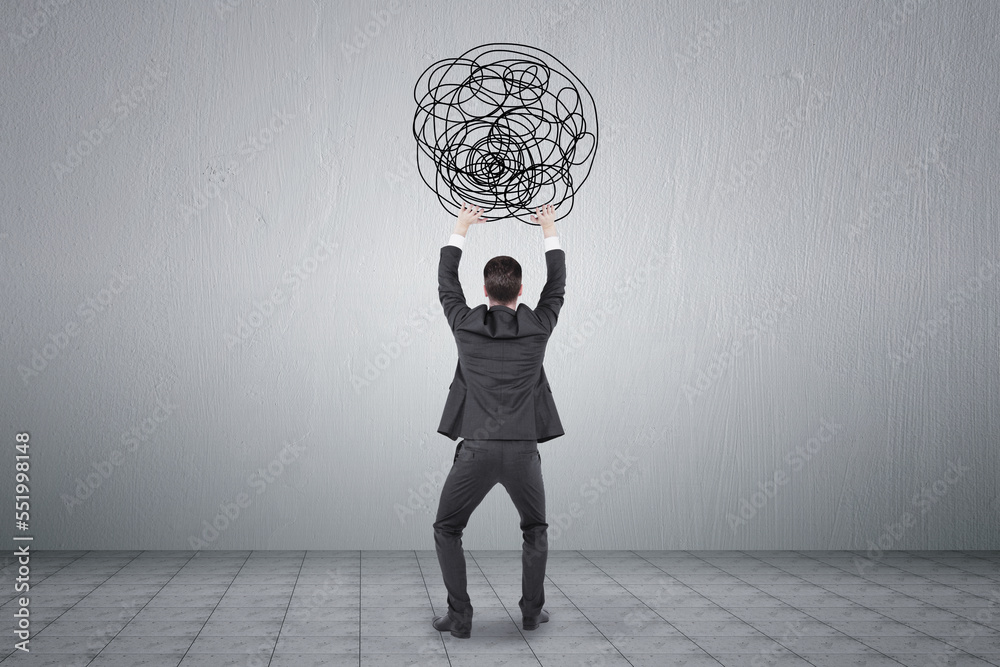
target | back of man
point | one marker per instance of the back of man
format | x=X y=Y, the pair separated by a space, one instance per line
x=500 y=402
x=500 y=390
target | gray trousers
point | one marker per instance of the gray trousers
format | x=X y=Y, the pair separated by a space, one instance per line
x=479 y=465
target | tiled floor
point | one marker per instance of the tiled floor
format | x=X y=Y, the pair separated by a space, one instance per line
x=648 y=608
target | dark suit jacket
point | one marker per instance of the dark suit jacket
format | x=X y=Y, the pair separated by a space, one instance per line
x=500 y=391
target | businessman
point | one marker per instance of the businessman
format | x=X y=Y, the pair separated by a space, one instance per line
x=501 y=405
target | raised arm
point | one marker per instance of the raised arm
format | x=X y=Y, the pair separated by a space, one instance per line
x=449 y=286
x=551 y=300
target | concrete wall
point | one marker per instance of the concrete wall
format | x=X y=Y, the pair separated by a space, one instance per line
x=780 y=328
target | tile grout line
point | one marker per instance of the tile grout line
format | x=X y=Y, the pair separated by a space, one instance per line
x=281 y=625
x=805 y=581
x=587 y=617
x=889 y=618
x=361 y=604
x=520 y=630
x=431 y=601
x=207 y=618
x=125 y=625
x=82 y=554
x=690 y=639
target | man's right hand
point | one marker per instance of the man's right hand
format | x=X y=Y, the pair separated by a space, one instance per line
x=546 y=217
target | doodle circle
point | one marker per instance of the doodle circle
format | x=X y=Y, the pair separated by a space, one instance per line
x=504 y=126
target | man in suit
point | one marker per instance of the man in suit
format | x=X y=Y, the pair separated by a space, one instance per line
x=501 y=405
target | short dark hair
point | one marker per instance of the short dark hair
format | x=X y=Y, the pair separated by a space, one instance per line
x=502 y=276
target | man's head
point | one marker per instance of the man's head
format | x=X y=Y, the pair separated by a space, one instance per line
x=502 y=277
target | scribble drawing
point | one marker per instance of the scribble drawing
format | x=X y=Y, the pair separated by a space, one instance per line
x=504 y=126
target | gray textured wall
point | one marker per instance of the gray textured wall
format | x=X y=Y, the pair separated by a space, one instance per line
x=781 y=318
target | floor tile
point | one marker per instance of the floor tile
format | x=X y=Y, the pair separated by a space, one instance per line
x=643 y=608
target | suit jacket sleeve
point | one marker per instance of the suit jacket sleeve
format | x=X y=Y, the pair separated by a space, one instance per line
x=551 y=300
x=449 y=287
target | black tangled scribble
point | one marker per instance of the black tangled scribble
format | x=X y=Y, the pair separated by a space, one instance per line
x=505 y=126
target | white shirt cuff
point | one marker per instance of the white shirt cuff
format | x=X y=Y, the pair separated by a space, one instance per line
x=552 y=243
x=456 y=240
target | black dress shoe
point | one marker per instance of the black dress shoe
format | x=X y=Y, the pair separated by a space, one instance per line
x=532 y=623
x=445 y=624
